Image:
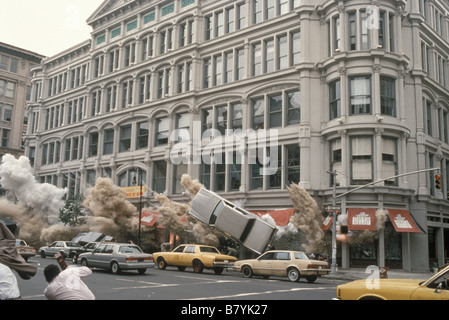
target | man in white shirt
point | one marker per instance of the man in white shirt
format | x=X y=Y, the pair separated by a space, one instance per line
x=67 y=285
x=9 y=290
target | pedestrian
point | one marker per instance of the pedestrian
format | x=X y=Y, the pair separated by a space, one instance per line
x=9 y=290
x=232 y=252
x=10 y=260
x=67 y=284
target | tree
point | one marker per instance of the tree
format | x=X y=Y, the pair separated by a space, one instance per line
x=73 y=212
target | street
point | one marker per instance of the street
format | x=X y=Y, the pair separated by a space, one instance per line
x=171 y=284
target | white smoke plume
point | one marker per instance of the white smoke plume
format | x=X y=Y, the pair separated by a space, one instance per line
x=37 y=204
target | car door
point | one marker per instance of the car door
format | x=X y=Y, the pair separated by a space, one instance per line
x=186 y=259
x=105 y=256
x=51 y=249
x=262 y=265
x=437 y=289
x=280 y=263
x=94 y=259
x=173 y=258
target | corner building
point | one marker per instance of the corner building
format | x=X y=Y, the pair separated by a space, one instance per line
x=356 y=87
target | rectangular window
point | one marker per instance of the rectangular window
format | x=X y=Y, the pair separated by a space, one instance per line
x=389 y=160
x=293 y=160
x=93 y=144
x=282 y=52
x=142 y=135
x=258 y=111
x=159 y=176
x=125 y=138
x=334 y=100
x=361 y=160
x=222 y=119
x=235 y=171
x=108 y=141
x=296 y=47
x=257 y=59
x=275 y=104
x=352 y=31
x=388 y=96
x=207 y=73
x=293 y=107
x=360 y=95
x=220 y=173
x=269 y=56
x=162 y=127
x=237 y=116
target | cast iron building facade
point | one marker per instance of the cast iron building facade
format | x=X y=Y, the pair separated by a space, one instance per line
x=15 y=88
x=359 y=87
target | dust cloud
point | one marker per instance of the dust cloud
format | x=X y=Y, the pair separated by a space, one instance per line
x=35 y=206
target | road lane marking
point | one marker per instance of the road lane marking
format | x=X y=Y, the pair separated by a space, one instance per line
x=259 y=293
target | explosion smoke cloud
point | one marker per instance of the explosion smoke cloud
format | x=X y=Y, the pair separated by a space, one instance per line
x=37 y=204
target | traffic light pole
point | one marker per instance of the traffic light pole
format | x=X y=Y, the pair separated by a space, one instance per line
x=334 y=266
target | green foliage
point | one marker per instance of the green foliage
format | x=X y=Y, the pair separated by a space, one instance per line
x=73 y=212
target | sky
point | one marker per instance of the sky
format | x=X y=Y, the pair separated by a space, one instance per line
x=46 y=27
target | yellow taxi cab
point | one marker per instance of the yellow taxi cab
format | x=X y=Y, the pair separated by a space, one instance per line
x=434 y=288
x=199 y=257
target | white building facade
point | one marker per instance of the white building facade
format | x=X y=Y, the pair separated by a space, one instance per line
x=356 y=87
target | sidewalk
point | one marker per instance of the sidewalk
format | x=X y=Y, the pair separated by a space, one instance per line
x=361 y=273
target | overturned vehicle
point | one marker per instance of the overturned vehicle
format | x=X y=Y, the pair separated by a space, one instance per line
x=237 y=223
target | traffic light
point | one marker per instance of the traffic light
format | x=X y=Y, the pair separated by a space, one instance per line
x=437 y=181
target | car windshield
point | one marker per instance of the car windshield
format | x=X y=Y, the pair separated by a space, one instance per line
x=301 y=256
x=20 y=243
x=209 y=249
x=129 y=249
x=72 y=244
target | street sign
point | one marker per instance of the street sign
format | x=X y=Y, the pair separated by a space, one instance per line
x=333 y=208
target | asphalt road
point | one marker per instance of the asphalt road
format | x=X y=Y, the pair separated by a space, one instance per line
x=171 y=284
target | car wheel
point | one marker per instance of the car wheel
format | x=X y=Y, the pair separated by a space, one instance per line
x=311 y=279
x=115 y=268
x=43 y=255
x=198 y=266
x=247 y=272
x=293 y=274
x=84 y=262
x=218 y=270
x=142 y=271
x=161 y=264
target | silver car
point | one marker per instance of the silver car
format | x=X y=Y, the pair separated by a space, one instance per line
x=239 y=224
x=65 y=248
x=117 y=257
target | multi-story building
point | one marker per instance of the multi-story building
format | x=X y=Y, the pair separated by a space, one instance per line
x=359 y=88
x=15 y=88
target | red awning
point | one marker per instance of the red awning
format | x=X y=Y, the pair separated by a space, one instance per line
x=362 y=219
x=281 y=216
x=327 y=223
x=402 y=220
x=149 y=218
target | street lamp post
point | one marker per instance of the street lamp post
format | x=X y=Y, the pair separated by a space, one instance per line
x=334 y=266
x=139 y=174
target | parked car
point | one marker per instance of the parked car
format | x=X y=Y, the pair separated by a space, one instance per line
x=434 y=288
x=199 y=257
x=89 y=247
x=284 y=263
x=24 y=249
x=117 y=257
x=239 y=224
x=66 y=248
